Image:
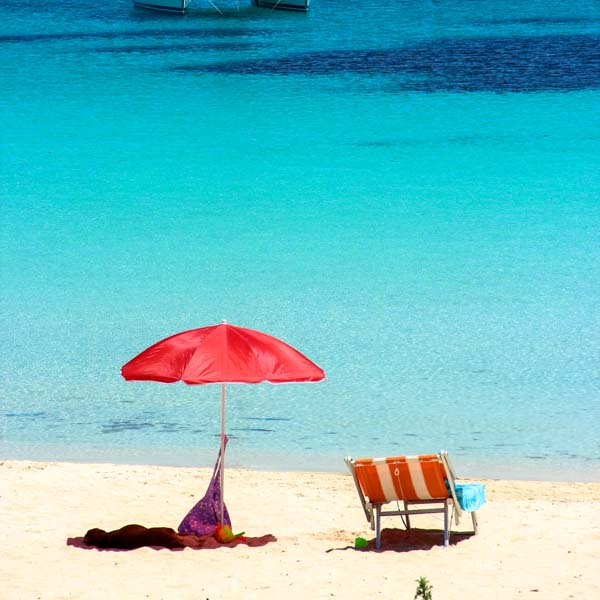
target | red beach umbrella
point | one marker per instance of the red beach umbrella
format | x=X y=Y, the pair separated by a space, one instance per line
x=222 y=354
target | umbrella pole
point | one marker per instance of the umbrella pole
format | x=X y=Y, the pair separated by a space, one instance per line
x=222 y=474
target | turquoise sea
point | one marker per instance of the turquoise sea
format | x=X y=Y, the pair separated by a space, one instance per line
x=407 y=192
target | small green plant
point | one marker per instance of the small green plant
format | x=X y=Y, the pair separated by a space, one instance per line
x=423 y=589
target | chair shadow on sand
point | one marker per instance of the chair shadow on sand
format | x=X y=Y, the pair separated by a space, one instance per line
x=403 y=540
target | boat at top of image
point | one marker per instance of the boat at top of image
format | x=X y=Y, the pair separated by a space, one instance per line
x=181 y=6
x=166 y=5
x=301 y=5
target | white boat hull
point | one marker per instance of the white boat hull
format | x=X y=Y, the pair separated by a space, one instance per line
x=169 y=5
x=301 y=5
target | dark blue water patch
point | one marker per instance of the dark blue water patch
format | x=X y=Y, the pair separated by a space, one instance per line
x=26 y=415
x=479 y=64
x=574 y=20
x=178 y=47
x=127 y=425
x=535 y=457
x=329 y=433
x=156 y=34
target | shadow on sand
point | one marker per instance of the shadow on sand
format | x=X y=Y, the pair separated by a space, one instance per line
x=402 y=540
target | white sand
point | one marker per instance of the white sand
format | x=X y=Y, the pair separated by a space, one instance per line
x=536 y=540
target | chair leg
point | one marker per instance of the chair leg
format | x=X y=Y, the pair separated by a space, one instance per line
x=446 y=525
x=475 y=524
x=407 y=517
x=378 y=526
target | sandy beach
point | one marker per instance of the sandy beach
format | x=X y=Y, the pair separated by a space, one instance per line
x=536 y=539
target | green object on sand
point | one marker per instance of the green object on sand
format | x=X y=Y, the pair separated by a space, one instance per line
x=360 y=542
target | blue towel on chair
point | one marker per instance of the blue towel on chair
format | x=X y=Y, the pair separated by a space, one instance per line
x=470 y=496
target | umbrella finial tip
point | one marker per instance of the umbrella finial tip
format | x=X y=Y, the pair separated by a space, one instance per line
x=224 y=321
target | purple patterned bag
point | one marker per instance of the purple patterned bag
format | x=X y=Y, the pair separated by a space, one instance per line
x=204 y=516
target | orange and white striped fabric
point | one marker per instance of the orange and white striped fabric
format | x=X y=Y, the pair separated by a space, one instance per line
x=402 y=478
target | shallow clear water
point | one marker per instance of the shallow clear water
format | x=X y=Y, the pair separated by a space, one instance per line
x=408 y=193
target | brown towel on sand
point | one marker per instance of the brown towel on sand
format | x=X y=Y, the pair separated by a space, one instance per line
x=134 y=536
x=130 y=537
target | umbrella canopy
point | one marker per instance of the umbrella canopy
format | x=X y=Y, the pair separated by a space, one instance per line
x=222 y=354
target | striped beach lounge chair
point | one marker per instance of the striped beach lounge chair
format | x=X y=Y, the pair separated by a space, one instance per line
x=427 y=481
